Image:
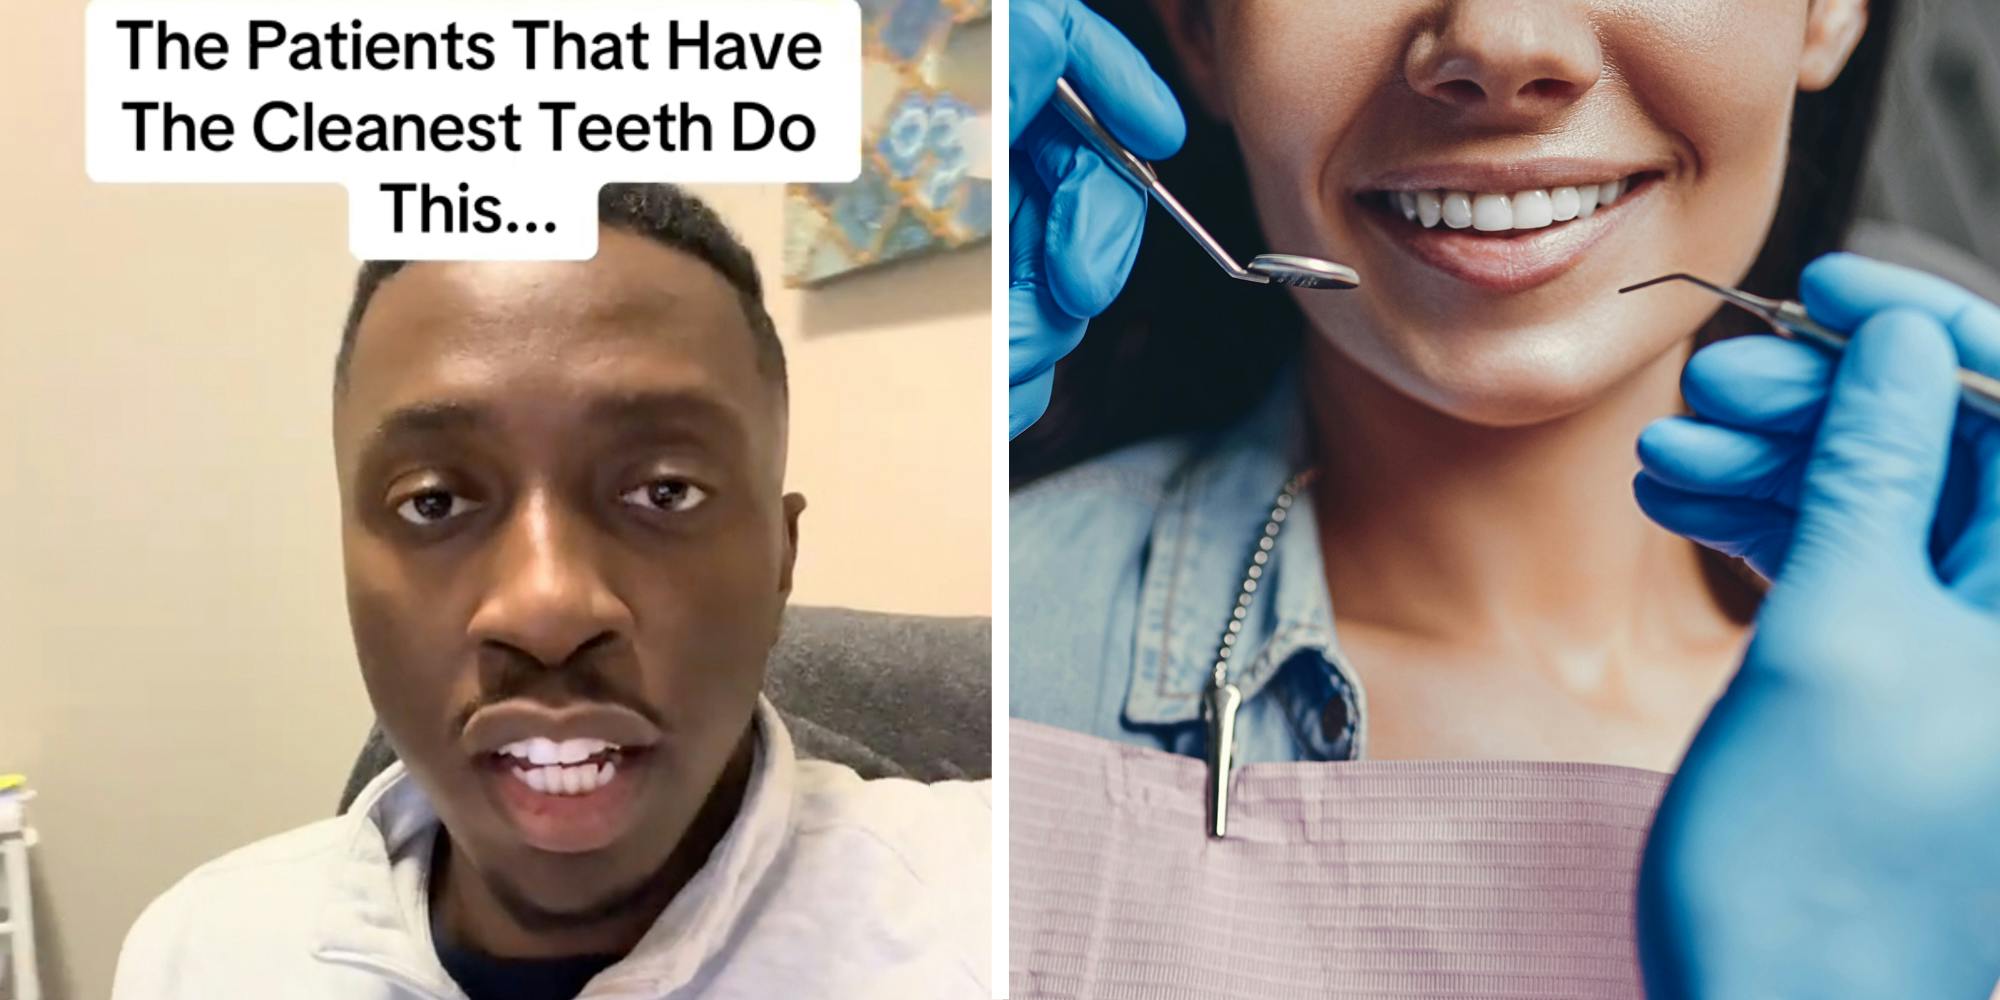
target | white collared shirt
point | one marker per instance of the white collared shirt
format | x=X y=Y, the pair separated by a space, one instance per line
x=826 y=885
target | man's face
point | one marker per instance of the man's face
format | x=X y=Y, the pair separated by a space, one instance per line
x=563 y=521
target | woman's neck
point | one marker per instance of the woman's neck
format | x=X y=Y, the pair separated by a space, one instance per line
x=1521 y=540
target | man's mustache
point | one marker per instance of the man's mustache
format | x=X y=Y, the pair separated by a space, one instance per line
x=589 y=674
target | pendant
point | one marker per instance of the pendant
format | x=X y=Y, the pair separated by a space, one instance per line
x=1219 y=707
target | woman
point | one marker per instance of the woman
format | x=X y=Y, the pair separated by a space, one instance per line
x=1464 y=574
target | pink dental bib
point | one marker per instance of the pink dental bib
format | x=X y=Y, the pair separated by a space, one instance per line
x=1389 y=880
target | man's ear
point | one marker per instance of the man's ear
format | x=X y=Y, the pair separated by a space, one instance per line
x=795 y=504
x=1833 y=29
x=1193 y=38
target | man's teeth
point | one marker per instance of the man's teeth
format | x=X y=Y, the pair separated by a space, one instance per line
x=1493 y=213
x=557 y=767
x=579 y=780
x=542 y=751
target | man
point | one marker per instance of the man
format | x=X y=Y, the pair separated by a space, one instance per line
x=567 y=549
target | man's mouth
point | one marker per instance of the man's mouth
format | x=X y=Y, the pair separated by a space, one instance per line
x=566 y=778
x=566 y=796
x=1505 y=241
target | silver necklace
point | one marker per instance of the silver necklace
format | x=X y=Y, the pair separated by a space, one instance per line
x=1222 y=699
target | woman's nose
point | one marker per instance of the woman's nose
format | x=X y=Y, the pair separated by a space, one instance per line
x=1507 y=61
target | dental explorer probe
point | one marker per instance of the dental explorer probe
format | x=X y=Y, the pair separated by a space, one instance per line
x=1264 y=269
x=1981 y=392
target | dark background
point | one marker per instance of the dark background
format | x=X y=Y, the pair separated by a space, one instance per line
x=1932 y=193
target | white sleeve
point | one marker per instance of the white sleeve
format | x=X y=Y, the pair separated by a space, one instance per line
x=149 y=962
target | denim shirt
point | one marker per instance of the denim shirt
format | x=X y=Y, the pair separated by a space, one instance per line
x=1125 y=571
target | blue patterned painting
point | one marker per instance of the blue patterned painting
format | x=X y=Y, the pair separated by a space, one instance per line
x=924 y=92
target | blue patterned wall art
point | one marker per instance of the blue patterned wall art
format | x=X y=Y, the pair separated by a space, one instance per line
x=923 y=98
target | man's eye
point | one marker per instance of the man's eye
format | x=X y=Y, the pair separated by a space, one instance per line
x=433 y=506
x=670 y=495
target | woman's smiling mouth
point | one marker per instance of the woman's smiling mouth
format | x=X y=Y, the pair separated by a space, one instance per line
x=1498 y=237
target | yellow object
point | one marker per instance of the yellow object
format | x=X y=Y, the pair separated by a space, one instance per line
x=9 y=782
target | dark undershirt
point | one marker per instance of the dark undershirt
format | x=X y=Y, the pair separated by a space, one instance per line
x=484 y=977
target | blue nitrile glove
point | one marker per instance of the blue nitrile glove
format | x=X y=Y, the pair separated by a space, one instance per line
x=1834 y=830
x=1074 y=220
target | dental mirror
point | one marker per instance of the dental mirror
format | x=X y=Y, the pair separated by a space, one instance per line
x=1303 y=272
x=1265 y=269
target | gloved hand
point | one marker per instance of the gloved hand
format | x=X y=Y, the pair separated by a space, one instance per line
x=1834 y=830
x=1074 y=220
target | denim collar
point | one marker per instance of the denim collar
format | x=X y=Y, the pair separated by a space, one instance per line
x=1208 y=525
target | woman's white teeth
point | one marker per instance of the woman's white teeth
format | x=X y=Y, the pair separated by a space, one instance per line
x=1430 y=208
x=1457 y=209
x=581 y=779
x=1564 y=204
x=1494 y=213
x=1533 y=210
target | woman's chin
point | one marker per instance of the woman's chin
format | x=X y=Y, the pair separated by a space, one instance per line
x=1518 y=392
x=1499 y=371
x=1506 y=408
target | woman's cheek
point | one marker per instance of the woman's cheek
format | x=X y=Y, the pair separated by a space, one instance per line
x=1687 y=70
x=1297 y=85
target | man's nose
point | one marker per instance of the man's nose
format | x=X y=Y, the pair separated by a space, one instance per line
x=1507 y=62
x=547 y=596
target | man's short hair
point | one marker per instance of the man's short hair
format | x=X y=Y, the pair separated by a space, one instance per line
x=661 y=212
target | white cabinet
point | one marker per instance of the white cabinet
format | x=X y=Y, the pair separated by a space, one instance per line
x=17 y=913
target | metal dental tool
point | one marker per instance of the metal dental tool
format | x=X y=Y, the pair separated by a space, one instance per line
x=1264 y=269
x=1981 y=392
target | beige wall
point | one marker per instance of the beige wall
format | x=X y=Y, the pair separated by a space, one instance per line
x=176 y=675
x=891 y=415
